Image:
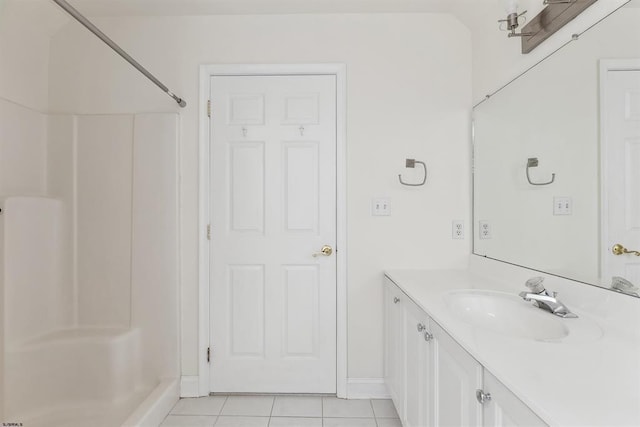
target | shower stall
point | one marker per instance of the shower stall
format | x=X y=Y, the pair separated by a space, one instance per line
x=89 y=242
x=88 y=267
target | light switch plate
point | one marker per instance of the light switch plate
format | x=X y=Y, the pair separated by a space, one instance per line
x=562 y=206
x=381 y=206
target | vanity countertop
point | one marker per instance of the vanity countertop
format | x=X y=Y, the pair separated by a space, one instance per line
x=585 y=379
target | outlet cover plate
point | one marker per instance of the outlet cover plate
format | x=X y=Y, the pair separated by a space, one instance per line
x=457 y=230
x=484 y=230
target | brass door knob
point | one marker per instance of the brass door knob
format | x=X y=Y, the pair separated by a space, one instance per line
x=325 y=251
x=618 y=249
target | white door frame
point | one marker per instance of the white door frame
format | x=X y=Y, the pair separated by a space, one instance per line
x=206 y=72
x=607 y=65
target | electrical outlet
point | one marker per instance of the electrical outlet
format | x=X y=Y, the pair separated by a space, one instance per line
x=381 y=206
x=562 y=206
x=457 y=229
x=484 y=229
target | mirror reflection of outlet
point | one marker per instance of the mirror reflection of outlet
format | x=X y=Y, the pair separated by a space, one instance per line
x=457 y=230
x=484 y=229
x=381 y=206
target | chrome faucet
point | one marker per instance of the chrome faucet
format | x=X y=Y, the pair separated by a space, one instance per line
x=620 y=284
x=543 y=299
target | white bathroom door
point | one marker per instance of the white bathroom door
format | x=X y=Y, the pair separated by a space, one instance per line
x=621 y=173
x=273 y=206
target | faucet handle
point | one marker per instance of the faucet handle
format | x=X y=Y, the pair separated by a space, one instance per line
x=535 y=284
x=621 y=284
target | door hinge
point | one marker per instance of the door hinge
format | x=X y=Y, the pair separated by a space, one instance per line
x=209 y=108
x=208 y=231
x=208 y=354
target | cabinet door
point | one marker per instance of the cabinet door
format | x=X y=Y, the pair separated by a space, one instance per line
x=504 y=408
x=418 y=359
x=455 y=378
x=394 y=301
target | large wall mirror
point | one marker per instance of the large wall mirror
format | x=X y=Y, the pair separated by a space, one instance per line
x=557 y=160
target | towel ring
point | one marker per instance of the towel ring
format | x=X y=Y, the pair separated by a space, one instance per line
x=532 y=162
x=411 y=163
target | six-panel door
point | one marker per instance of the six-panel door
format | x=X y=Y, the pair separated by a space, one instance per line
x=621 y=174
x=273 y=206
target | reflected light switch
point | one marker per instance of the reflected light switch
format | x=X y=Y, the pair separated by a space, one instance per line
x=562 y=206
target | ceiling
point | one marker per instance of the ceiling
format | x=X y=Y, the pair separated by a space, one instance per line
x=45 y=17
x=216 y=7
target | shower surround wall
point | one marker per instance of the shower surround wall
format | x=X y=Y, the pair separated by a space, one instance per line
x=22 y=171
x=89 y=263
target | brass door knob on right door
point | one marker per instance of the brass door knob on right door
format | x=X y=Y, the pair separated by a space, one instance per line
x=325 y=251
x=618 y=249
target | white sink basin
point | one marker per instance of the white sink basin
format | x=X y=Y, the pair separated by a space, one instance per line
x=505 y=314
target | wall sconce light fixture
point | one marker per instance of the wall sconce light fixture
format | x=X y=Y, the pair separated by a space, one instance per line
x=511 y=21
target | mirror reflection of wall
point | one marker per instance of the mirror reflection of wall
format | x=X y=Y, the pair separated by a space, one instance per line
x=553 y=113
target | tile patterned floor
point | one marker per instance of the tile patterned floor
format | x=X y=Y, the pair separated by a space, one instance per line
x=281 y=411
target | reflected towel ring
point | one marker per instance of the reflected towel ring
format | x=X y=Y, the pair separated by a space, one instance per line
x=532 y=162
x=411 y=163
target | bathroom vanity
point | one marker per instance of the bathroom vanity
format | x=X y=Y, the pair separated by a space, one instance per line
x=462 y=348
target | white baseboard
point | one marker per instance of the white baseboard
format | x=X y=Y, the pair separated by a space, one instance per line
x=357 y=388
x=367 y=388
x=156 y=406
x=189 y=386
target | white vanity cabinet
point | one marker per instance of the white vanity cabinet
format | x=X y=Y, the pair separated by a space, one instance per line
x=418 y=356
x=456 y=377
x=394 y=301
x=503 y=408
x=433 y=381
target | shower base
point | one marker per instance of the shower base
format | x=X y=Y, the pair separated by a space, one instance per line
x=76 y=377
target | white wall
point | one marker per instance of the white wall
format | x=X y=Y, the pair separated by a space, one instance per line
x=24 y=73
x=25 y=30
x=409 y=95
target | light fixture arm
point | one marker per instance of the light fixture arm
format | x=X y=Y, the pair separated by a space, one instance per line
x=512 y=23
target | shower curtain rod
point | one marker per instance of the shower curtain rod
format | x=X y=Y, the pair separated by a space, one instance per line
x=102 y=36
